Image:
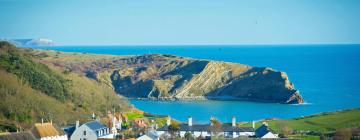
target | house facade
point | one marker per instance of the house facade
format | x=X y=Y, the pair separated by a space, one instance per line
x=206 y=130
x=90 y=131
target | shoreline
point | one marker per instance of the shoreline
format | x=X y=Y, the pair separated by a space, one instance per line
x=209 y=99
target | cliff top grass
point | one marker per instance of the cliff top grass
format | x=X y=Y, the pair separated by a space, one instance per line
x=322 y=122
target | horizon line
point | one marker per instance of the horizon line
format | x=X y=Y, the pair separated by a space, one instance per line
x=220 y=44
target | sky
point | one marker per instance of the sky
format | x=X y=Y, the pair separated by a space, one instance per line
x=178 y=22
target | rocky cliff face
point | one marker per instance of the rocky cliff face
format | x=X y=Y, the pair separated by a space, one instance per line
x=171 y=77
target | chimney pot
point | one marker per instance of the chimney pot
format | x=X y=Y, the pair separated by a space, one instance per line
x=233 y=121
x=168 y=121
x=253 y=124
x=77 y=124
x=190 y=121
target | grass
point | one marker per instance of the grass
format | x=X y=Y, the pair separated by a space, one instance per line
x=133 y=115
x=320 y=122
x=305 y=137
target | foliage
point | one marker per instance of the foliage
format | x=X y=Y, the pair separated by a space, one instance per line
x=30 y=90
x=174 y=129
x=38 y=75
x=343 y=134
x=7 y=128
x=215 y=127
x=189 y=136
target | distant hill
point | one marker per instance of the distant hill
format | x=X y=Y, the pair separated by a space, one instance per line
x=30 y=90
x=32 y=42
x=168 y=77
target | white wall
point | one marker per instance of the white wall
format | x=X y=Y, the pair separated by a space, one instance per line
x=269 y=135
x=63 y=137
x=79 y=133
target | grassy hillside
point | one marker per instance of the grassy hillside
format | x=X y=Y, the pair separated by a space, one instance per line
x=316 y=124
x=30 y=90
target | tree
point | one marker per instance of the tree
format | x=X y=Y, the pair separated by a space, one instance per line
x=343 y=134
x=285 y=130
x=173 y=129
x=189 y=136
x=215 y=127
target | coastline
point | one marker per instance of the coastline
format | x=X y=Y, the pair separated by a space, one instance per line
x=203 y=98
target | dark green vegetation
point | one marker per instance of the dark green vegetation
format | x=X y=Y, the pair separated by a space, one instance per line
x=165 y=77
x=30 y=90
x=37 y=75
x=316 y=125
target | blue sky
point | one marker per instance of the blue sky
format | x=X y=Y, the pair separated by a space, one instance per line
x=149 y=22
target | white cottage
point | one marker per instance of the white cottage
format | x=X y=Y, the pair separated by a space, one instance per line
x=204 y=130
x=91 y=131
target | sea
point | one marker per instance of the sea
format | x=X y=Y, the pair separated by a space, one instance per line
x=327 y=76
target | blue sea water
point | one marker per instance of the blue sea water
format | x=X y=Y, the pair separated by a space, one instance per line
x=327 y=76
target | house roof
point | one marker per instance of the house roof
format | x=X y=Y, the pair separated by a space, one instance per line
x=45 y=130
x=207 y=127
x=149 y=135
x=263 y=130
x=140 y=122
x=95 y=125
x=69 y=130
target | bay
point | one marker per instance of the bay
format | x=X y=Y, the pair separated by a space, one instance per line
x=327 y=76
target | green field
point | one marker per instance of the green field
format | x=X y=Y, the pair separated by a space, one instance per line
x=312 y=126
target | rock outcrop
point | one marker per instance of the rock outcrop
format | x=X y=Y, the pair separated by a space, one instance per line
x=171 y=77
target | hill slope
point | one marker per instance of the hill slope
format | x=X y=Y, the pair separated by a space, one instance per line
x=171 y=77
x=30 y=90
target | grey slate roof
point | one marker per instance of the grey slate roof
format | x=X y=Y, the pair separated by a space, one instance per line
x=206 y=127
x=262 y=130
x=95 y=125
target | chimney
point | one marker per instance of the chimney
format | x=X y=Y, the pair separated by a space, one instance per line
x=233 y=121
x=42 y=121
x=77 y=124
x=93 y=116
x=190 y=121
x=168 y=121
x=253 y=124
x=51 y=121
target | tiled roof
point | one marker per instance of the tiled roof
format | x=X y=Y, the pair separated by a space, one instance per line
x=95 y=125
x=206 y=127
x=140 y=122
x=45 y=130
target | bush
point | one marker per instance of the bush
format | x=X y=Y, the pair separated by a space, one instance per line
x=38 y=75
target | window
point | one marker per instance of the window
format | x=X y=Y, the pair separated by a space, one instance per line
x=84 y=133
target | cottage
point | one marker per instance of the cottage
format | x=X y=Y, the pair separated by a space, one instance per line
x=46 y=131
x=90 y=131
x=264 y=131
x=205 y=130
